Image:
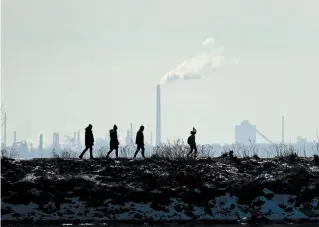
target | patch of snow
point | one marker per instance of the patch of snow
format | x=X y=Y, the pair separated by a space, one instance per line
x=266 y=191
x=29 y=177
x=311 y=187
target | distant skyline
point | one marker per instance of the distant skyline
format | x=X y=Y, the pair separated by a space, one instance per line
x=69 y=63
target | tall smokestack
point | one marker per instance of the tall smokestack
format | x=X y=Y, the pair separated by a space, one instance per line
x=74 y=139
x=283 y=129
x=41 y=142
x=158 y=115
x=78 y=139
x=14 y=137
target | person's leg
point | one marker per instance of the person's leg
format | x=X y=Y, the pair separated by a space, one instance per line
x=91 y=152
x=83 y=152
x=137 y=150
x=117 y=152
x=190 y=152
x=108 y=153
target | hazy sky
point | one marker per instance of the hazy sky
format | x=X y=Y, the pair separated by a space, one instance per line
x=68 y=63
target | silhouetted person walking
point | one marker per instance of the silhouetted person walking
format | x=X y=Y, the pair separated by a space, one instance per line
x=192 y=143
x=89 y=141
x=140 y=141
x=114 y=143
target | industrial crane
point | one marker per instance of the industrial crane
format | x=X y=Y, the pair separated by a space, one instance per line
x=263 y=136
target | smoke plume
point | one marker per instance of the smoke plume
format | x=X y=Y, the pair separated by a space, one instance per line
x=210 y=58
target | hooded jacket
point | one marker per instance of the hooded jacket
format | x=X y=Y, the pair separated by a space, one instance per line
x=139 y=138
x=89 y=138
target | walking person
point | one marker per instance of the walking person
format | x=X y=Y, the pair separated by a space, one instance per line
x=192 y=143
x=114 y=143
x=89 y=142
x=140 y=142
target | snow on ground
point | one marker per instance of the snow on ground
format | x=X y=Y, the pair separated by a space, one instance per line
x=159 y=190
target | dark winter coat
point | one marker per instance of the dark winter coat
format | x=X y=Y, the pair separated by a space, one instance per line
x=139 y=138
x=192 y=141
x=89 y=138
x=113 y=139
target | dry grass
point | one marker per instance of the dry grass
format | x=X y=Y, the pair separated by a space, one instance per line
x=177 y=149
x=9 y=153
x=316 y=146
x=64 y=154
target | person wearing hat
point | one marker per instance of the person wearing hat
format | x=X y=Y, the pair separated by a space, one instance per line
x=192 y=143
x=140 y=141
x=114 y=143
x=89 y=142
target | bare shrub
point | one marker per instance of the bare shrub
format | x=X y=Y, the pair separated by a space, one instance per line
x=316 y=146
x=10 y=153
x=171 y=149
x=177 y=149
x=126 y=152
x=237 y=148
x=253 y=149
x=101 y=152
x=286 y=152
x=278 y=150
x=205 y=151
x=64 y=154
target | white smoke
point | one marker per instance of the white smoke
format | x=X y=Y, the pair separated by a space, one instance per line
x=211 y=58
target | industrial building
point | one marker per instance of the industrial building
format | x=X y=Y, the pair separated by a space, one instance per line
x=56 y=141
x=245 y=133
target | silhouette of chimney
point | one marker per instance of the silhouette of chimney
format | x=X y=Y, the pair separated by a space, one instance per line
x=74 y=139
x=14 y=137
x=158 y=115
x=56 y=140
x=78 y=143
x=41 y=142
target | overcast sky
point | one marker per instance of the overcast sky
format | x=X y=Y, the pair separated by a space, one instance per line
x=69 y=63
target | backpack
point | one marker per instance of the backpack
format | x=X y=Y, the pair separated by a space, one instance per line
x=189 y=140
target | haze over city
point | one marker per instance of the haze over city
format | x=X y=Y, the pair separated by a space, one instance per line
x=67 y=64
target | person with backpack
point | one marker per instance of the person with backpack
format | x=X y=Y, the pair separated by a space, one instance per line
x=114 y=143
x=192 y=143
x=89 y=142
x=140 y=142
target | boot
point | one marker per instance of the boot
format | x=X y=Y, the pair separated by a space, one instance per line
x=135 y=153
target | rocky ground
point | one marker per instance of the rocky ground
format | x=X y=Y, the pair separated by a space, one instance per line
x=103 y=190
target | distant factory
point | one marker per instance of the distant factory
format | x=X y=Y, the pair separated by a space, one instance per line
x=246 y=133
